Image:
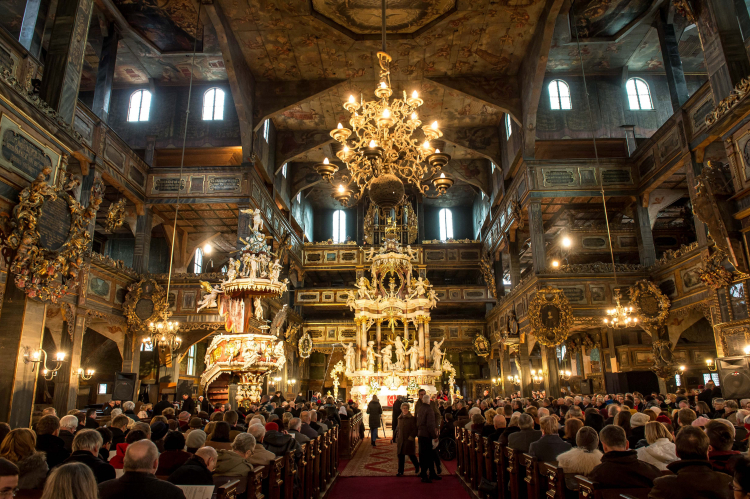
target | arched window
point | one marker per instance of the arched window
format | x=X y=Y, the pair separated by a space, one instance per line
x=508 y=129
x=213 y=104
x=191 y=360
x=639 y=95
x=446 y=224
x=559 y=95
x=140 y=103
x=339 y=226
x=198 y=263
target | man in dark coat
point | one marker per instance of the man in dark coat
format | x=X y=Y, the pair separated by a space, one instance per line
x=196 y=470
x=188 y=404
x=720 y=433
x=524 y=438
x=49 y=442
x=164 y=403
x=91 y=421
x=374 y=410
x=396 y=416
x=406 y=441
x=280 y=443
x=709 y=393
x=108 y=408
x=278 y=398
x=547 y=448
x=86 y=446
x=205 y=405
x=426 y=433
x=620 y=467
x=141 y=462
x=693 y=474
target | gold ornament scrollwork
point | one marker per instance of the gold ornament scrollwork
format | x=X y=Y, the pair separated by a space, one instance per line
x=145 y=289
x=115 y=215
x=36 y=268
x=649 y=304
x=551 y=316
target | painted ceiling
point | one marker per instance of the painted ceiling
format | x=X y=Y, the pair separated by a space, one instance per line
x=170 y=24
x=364 y=16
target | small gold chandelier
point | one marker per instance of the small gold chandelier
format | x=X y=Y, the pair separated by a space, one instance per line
x=163 y=334
x=619 y=317
x=382 y=150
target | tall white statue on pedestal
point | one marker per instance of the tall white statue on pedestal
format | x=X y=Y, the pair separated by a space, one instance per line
x=370 y=354
x=387 y=358
x=400 y=355
x=349 y=356
x=413 y=357
x=437 y=356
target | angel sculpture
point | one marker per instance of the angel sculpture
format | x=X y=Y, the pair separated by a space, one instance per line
x=275 y=270
x=419 y=288
x=400 y=354
x=437 y=355
x=370 y=354
x=279 y=319
x=432 y=296
x=413 y=357
x=412 y=253
x=387 y=358
x=209 y=299
x=349 y=356
x=363 y=287
x=370 y=253
x=232 y=270
x=278 y=352
x=257 y=219
x=258 y=309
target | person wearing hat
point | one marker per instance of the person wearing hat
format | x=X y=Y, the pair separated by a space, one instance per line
x=280 y=443
x=660 y=450
x=195 y=440
x=582 y=458
x=663 y=418
x=637 y=428
x=158 y=432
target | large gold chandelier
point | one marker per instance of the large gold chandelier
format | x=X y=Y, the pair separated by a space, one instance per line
x=383 y=149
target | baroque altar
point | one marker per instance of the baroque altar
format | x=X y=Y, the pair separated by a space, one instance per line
x=390 y=359
x=250 y=348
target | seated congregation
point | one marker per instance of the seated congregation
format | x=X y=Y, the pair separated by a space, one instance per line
x=289 y=451
x=606 y=446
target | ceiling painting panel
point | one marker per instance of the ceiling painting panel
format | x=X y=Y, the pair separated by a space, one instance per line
x=168 y=24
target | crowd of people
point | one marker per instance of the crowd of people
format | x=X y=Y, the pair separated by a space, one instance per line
x=146 y=451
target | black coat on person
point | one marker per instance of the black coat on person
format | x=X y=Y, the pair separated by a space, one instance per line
x=374 y=410
x=54 y=449
x=141 y=485
x=396 y=414
x=103 y=471
x=160 y=406
x=192 y=472
x=406 y=440
x=188 y=405
x=692 y=478
x=623 y=470
x=118 y=436
x=206 y=406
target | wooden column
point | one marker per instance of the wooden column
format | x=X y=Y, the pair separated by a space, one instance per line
x=670 y=54
x=143 y=226
x=62 y=380
x=644 y=236
x=505 y=372
x=551 y=372
x=75 y=360
x=427 y=349
x=420 y=339
x=525 y=368
x=105 y=74
x=32 y=26
x=514 y=262
x=536 y=233
x=23 y=328
x=64 y=62
x=498 y=268
x=148 y=156
x=406 y=330
x=692 y=169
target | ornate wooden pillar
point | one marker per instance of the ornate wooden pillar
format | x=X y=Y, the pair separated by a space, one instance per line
x=644 y=236
x=550 y=371
x=536 y=233
x=670 y=54
x=420 y=339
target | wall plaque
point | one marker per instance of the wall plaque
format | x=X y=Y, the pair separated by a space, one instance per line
x=554 y=178
x=616 y=177
x=24 y=155
x=54 y=224
x=144 y=308
x=168 y=184
x=223 y=184
x=137 y=176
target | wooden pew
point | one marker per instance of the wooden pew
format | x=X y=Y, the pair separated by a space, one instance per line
x=489 y=469
x=255 y=483
x=290 y=473
x=515 y=473
x=335 y=453
x=501 y=471
x=323 y=461
x=588 y=490
x=315 y=467
x=472 y=468
x=459 y=434
x=478 y=449
x=555 y=481
x=275 y=479
x=228 y=490
x=532 y=475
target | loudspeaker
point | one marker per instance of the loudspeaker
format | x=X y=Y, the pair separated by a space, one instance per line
x=124 y=386
x=734 y=377
x=586 y=387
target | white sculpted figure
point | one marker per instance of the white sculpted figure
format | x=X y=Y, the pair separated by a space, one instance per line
x=400 y=354
x=258 y=309
x=413 y=357
x=363 y=287
x=370 y=253
x=253 y=271
x=387 y=358
x=432 y=296
x=231 y=270
x=257 y=219
x=349 y=356
x=412 y=253
x=370 y=353
x=419 y=289
x=209 y=299
x=278 y=352
x=437 y=355
x=275 y=271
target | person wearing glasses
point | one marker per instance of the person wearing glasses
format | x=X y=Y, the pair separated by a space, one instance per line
x=741 y=484
x=8 y=479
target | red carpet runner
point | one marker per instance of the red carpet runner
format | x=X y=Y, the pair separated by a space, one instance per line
x=371 y=475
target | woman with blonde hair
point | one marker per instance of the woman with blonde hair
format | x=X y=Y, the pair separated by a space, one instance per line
x=661 y=448
x=71 y=481
x=19 y=447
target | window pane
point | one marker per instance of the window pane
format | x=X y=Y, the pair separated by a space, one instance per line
x=145 y=105
x=449 y=223
x=553 y=89
x=219 y=105
x=739 y=306
x=565 y=103
x=564 y=89
x=198 y=265
x=632 y=94
x=554 y=102
x=208 y=105
x=442 y=225
x=339 y=226
x=135 y=104
x=508 y=129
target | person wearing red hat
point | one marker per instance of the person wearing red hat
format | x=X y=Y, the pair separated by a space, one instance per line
x=280 y=443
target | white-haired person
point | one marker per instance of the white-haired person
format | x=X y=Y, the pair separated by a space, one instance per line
x=86 y=445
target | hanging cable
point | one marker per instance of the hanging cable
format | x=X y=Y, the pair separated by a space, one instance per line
x=382 y=4
x=596 y=152
x=184 y=142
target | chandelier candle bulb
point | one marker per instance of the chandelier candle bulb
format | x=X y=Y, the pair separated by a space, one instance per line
x=326 y=170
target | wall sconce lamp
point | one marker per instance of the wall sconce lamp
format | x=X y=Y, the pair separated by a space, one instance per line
x=514 y=380
x=85 y=375
x=39 y=358
x=536 y=377
x=291 y=382
x=565 y=375
x=711 y=365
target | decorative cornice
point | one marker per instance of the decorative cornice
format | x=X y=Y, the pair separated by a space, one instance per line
x=727 y=103
x=117 y=265
x=670 y=256
x=596 y=268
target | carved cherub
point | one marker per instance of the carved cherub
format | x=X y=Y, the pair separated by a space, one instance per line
x=257 y=219
x=209 y=299
x=363 y=287
x=419 y=288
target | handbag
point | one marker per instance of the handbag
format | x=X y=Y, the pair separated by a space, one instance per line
x=486 y=486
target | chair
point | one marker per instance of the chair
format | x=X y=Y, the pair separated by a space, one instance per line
x=588 y=490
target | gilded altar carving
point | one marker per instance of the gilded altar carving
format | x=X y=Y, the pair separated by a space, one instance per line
x=403 y=224
x=551 y=316
x=43 y=256
x=713 y=273
x=727 y=103
x=145 y=302
x=649 y=304
x=488 y=272
x=683 y=8
x=115 y=215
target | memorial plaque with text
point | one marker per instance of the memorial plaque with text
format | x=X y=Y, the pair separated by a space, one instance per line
x=54 y=224
x=558 y=177
x=24 y=155
x=223 y=184
x=168 y=184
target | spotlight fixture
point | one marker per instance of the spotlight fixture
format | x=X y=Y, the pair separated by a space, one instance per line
x=207 y=249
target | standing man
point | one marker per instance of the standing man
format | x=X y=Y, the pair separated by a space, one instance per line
x=205 y=405
x=188 y=404
x=426 y=433
x=396 y=414
x=374 y=410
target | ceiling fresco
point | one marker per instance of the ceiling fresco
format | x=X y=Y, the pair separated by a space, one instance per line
x=364 y=16
x=168 y=24
x=11 y=15
x=595 y=18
